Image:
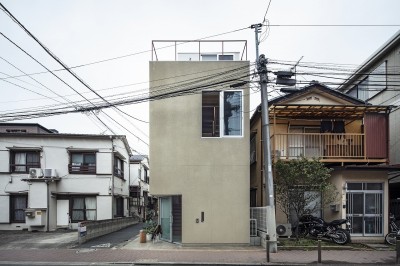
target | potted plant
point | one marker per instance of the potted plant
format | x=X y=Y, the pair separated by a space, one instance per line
x=149 y=227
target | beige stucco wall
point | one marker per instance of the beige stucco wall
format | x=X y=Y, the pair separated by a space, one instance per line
x=211 y=174
x=341 y=177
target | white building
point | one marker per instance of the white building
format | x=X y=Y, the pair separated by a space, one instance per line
x=139 y=184
x=50 y=180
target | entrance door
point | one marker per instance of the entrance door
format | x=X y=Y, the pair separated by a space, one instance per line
x=171 y=218
x=63 y=213
x=365 y=208
x=166 y=218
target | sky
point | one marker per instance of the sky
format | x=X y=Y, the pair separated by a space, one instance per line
x=108 y=45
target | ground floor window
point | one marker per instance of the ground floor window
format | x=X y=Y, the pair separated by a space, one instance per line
x=83 y=209
x=18 y=204
x=364 y=208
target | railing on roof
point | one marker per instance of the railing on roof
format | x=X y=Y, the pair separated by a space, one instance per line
x=182 y=44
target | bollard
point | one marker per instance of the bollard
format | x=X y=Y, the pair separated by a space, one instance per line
x=397 y=249
x=319 y=251
x=267 y=246
x=142 y=236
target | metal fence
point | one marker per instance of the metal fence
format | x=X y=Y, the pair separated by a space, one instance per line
x=260 y=215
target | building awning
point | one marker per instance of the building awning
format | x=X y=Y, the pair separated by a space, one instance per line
x=15 y=148
x=41 y=179
x=70 y=149
x=303 y=111
x=75 y=193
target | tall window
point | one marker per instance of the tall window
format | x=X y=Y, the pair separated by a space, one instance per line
x=21 y=161
x=146 y=176
x=83 y=163
x=119 y=207
x=253 y=149
x=222 y=113
x=83 y=209
x=118 y=167
x=18 y=204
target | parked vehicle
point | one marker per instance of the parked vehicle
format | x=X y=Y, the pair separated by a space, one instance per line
x=317 y=227
x=390 y=238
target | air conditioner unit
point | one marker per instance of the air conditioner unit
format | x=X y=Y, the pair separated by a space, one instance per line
x=35 y=173
x=284 y=230
x=50 y=173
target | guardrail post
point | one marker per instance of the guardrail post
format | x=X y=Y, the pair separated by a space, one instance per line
x=319 y=251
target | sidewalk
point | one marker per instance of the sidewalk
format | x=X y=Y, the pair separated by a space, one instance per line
x=192 y=256
x=55 y=248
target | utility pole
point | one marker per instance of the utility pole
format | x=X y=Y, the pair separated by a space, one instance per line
x=267 y=164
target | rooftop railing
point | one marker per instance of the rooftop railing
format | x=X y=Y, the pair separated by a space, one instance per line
x=166 y=48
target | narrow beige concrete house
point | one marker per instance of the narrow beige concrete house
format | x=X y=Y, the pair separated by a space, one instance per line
x=199 y=147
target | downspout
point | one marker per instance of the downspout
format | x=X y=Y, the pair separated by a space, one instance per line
x=112 y=177
x=48 y=207
x=129 y=185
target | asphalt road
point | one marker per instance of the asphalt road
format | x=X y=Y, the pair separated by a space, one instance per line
x=114 y=240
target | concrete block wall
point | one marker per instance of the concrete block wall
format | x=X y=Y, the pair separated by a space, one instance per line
x=91 y=229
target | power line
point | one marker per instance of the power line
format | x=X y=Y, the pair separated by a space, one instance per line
x=169 y=87
x=265 y=15
x=76 y=107
x=334 y=25
x=122 y=56
x=34 y=80
x=165 y=94
x=60 y=62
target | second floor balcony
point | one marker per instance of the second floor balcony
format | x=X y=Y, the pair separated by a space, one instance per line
x=328 y=147
x=334 y=134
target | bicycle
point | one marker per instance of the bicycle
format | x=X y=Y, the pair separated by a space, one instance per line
x=391 y=237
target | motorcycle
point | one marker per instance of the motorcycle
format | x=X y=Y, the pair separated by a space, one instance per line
x=317 y=227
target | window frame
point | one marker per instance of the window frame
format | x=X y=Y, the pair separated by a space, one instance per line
x=84 y=210
x=221 y=119
x=119 y=171
x=91 y=169
x=13 y=210
x=365 y=90
x=27 y=166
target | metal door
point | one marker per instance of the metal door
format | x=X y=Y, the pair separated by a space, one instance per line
x=365 y=212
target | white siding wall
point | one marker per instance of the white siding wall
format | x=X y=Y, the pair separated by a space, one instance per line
x=55 y=154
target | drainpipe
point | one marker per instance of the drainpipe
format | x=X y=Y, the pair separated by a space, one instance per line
x=129 y=184
x=48 y=206
x=112 y=177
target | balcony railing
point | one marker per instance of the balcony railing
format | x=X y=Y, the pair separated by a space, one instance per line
x=319 y=145
x=82 y=169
